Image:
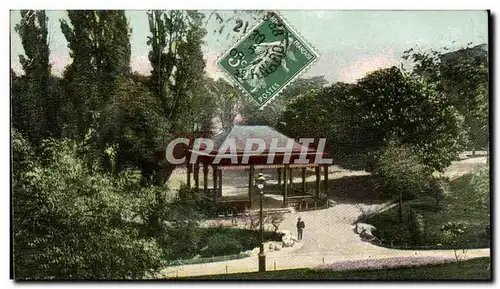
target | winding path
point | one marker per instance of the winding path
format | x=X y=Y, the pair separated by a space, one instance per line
x=329 y=239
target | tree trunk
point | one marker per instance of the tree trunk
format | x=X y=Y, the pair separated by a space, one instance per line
x=401 y=207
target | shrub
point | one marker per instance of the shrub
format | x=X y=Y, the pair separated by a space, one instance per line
x=272 y=218
x=416 y=227
x=436 y=189
x=401 y=171
x=478 y=189
x=452 y=233
x=220 y=245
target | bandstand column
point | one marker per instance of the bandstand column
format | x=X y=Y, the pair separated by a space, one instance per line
x=197 y=176
x=303 y=180
x=285 y=189
x=189 y=168
x=318 y=177
x=325 y=167
x=219 y=179
x=214 y=177
x=205 y=179
x=250 y=185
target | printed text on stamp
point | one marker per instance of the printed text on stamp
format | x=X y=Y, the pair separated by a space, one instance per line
x=268 y=58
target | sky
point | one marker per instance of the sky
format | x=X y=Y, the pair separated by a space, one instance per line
x=350 y=43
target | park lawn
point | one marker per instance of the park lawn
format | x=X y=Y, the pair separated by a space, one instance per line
x=460 y=206
x=475 y=269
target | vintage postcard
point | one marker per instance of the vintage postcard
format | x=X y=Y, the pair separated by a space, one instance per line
x=250 y=145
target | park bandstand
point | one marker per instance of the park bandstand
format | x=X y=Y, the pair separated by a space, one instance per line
x=296 y=195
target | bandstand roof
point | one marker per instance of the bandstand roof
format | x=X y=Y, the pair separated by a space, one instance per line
x=240 y=133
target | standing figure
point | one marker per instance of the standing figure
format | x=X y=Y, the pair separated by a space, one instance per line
x=300 y=228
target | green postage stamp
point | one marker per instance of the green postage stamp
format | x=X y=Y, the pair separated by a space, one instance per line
x=267 y=59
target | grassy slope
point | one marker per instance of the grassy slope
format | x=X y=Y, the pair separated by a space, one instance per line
x=459 y=206
x=477 y=269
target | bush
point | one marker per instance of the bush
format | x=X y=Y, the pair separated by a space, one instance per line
x=436 y=189
x=401 y=171
x=416 y=227
x=220 y=245
x=71 y=221
x=248 y=239
x=478 y=189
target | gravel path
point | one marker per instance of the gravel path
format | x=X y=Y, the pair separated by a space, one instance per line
x=465 y=166
x=329 y=241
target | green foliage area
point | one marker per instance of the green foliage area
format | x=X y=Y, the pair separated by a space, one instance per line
x=100 y=101
x=36 y=109
x=358 y=119
x=401 y=170
x=228 y=102
x=465 y=203
x=190 y=241
x=478 y=189
x=475 y=269
x=221 y=244
x=462 y=77
x=236 y=240
x=271 y=114
x=71 y=221
x=80 y=212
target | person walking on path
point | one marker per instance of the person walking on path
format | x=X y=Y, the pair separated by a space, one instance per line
x=300 y=228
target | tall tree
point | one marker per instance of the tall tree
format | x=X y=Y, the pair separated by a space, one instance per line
x=228 y=101
x=35 y=107
x=272 y=113
x=178 y=78
x=415 y=112
x=177 y=61
x=384 y=105
x=330 y=113
x=100 y=47
x=462 y=76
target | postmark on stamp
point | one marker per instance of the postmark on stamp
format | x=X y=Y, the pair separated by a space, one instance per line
x=267 y=59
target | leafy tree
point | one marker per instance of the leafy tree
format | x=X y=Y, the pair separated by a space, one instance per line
x=413 y=111
x=228 y=101
x=462 y=76
x=132 y=119
x=303 y=85
x=330 y=113
x=35 y=98
x=177 y=78
x=402 y=172
x=359 y=119
x=177 y=61
x=182 y=234
x=71 y=221
x=100 y=48
x=272 y=113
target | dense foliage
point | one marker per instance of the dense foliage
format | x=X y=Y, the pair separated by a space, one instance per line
x=88 y=148
x=462 y=77
x=465 y=206
x=402 y=172
x=71 y=221
x=358 y=119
